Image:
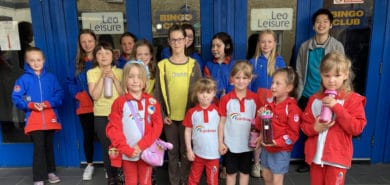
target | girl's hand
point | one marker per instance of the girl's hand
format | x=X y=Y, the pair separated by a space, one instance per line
x=190 y=155
x=222 y=148
x=320 y=127
x=167 y=121
x=259 y=142
x=137 y=151
x=261 y=110
x=38 y=106
x=329 y=101
x=108 y=73
x=273 y=143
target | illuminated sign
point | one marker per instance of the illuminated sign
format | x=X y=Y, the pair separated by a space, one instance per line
x=103 y=22
x=271 y=18
x=349 y=18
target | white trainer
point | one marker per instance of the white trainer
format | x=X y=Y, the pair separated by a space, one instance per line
x=88 y=173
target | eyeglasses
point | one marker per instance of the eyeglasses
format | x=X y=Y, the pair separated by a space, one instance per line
x=178 y=40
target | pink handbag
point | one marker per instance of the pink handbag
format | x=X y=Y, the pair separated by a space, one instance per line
x=154 y=154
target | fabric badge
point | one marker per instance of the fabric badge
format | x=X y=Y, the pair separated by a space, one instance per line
x=151 y=109
x=287 y=139
x=152 y=101
x=54 y=120
x=296 y=117
x=16 y=88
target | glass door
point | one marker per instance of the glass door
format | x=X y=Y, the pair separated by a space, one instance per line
x=352 y=26
x=15 y=36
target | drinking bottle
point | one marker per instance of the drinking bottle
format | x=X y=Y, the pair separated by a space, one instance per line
x=326 y=112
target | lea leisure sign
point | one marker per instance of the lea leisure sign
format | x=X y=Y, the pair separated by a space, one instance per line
x=103 y=22
x=271 y=18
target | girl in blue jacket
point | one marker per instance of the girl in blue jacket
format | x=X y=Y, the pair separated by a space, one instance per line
x=38 y=93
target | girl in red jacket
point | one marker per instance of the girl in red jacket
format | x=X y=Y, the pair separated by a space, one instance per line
x=328 y=148
x=128 y=135
x=285 y=123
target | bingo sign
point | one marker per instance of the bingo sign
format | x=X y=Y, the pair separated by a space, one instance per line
x=349 y=18
x=103 y=22
x=164 y=20
x=271 y=18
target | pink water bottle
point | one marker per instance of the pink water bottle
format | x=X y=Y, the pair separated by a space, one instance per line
x=253 y=135
x=107 y=87
x=326 y=112
x=266 y=122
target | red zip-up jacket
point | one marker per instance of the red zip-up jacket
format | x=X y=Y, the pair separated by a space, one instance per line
x=285 y=124
x=152 y=123
x=350 y=121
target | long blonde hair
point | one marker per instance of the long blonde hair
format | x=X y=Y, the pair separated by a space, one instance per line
x=342 y=64
x=272 y=57
x=126 y=69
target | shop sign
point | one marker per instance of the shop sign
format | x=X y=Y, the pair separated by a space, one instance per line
x=349 y=18
x=103 y=22
x=9 y=35
x=164 y=20
x=271 y=18
x=348 y=1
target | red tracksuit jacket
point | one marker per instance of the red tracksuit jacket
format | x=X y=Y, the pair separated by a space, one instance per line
x=350 y=121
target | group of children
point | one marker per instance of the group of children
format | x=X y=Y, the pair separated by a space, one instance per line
x=203 y=117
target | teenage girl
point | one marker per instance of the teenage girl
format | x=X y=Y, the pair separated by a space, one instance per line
x=201 y=133
x=285 y=123
x=78 y=87
x=220 y=67
x=127 y=41
x=174 y=77
x=328 y=148
x=104 y=68
x=127 y=134
x=143 y=51
x=264 y=62
x=238 y=111
x=190 y=46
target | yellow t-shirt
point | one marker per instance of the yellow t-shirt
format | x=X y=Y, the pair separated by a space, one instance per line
x=150 y=88
x=178 y=79
x=102 y=106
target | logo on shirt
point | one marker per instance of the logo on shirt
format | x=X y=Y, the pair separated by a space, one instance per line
x=198 y=128
x=296 y=117
x=152 y=101
x=234 y=115
x=238 y=117
x=201 y=129
x=16 y=88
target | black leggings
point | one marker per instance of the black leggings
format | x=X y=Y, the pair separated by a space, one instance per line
x=89 y=133
x=100 y=129
x=43 y=157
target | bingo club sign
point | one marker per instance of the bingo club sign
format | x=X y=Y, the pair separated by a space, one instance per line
x=164 y=20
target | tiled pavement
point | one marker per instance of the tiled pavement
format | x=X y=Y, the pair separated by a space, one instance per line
x=359 y=174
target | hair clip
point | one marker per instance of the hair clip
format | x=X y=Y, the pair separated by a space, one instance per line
x=141 y=63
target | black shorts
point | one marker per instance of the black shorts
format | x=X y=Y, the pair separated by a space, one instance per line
x=238 y=162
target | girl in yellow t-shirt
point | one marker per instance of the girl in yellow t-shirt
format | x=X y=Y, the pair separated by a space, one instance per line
x=174 y=78
x=103 y=75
